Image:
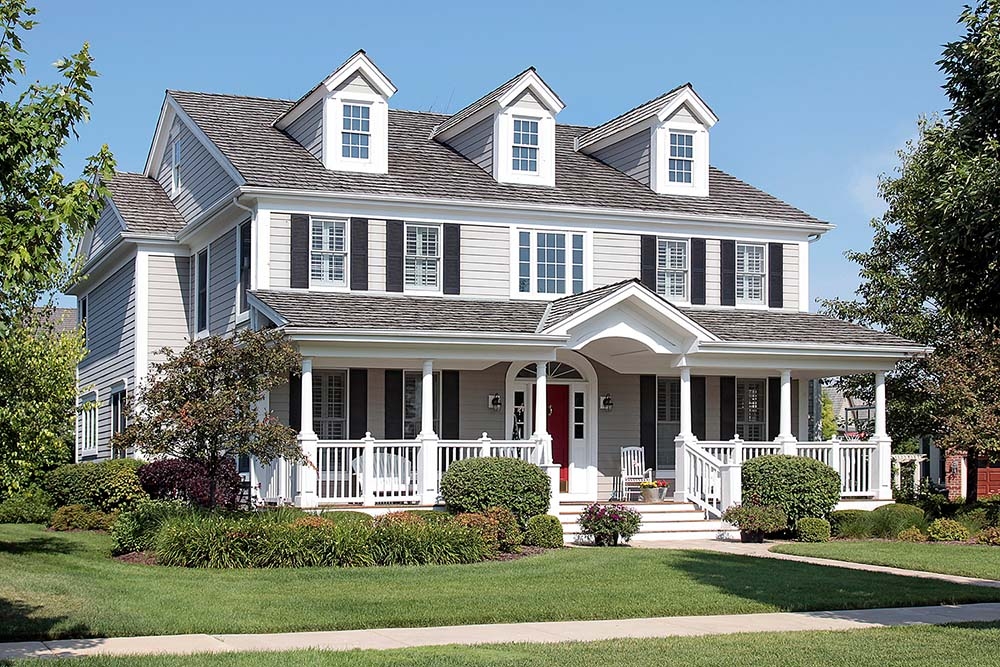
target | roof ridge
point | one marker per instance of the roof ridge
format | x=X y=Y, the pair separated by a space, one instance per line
x=233 y=95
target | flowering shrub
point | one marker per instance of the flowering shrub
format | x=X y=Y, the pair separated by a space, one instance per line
x=607 y=522
x=647 y=484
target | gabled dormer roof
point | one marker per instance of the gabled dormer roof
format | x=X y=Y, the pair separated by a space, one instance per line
x=661 y=108
x=503 y=96
x=359 y=63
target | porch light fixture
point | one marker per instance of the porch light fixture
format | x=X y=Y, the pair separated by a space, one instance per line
x=494 y=402
x=606 y=403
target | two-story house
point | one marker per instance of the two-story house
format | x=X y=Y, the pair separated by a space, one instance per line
x=566 y=290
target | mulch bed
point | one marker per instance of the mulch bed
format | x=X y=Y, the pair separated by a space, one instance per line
x=525 y=552
x=138 y=558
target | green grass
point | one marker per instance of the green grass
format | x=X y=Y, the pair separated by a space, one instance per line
x=966 y=560
x=916 y=646
x=65 y=585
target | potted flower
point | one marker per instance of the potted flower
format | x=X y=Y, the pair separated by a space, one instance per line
x=663 y=488
x=755 y=521
x=649 y=490
x=606 y=523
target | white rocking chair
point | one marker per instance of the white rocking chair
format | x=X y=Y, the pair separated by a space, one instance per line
x=633 y=471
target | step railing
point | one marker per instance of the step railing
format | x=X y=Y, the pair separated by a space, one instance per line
x=702 y=479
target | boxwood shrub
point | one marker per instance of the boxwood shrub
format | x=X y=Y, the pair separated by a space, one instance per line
x=475 y=485
x=80 y=517
x=105 y=486
x=811 y=529
x=31 y=505
x=888 y=521
x=180 y=479
x=800 y=486
x=948 y=530
x=850 y=524
x=544 y=530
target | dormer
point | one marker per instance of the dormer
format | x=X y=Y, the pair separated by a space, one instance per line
x=510 y=132
x=663 y=143
x=344 y=120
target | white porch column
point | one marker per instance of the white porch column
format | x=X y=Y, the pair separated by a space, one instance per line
x=306 y=492
x=882 y=479
x=785 y=435
x=428 y=438
x=685 y=436
x=542 y=411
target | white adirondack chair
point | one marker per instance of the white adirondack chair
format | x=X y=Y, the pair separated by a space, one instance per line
x=391 y=475
x=633 y=471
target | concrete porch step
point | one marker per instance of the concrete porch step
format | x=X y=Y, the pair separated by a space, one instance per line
x=660 y=522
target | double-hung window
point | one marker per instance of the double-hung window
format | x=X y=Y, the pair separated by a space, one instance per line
x=750 y=273
x=357 y=131
x=86 y=423
x=524 y=150
x=328 y=260
x=672 y=269
x=244 y=264
x=119 y=417
x=751 y=409
x=422 y=257
x=413 y=401
x=681 y=164
x=549 y=262
x=201 y=291
x=83 y=320
x=330 y=405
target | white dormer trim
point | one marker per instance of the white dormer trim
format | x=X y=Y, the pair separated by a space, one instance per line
x=659 y=161
x=531 y=82
x=503 y=145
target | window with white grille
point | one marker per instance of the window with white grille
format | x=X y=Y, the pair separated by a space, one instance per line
x=550 y=263
x=330 y=404
x=422 y=257
x=672 y=269
x=328 y=259
x=751 y=409
x=86 y=424
x=750 y=273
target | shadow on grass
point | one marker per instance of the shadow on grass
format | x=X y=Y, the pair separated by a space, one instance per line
x=38 y=545
x=22 y=621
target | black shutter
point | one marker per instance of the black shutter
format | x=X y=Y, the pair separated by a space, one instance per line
x=359 y=255
x=773 y=407
x=452 y=263
x=450 y=396
x=393 y=404
x=647 y=418
x=698 y=400
x=647 y=262
x=300 y=251
x=727 y=407
x=357 y=410
x=698 y=271
x=776 y=275
x=295 y=401
x=728 y=274
x=394 y=256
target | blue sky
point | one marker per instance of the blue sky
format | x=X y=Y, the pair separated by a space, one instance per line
x=814 y=98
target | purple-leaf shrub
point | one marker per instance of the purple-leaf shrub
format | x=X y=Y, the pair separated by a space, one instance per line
x=171 y=479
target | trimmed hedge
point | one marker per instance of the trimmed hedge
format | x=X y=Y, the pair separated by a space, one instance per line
x=105 y=486
x=850 y=524
x=31 y=505
x=487 y=529
x=80 y=517
x=544 y=530
x=180 y=479
x=135 y=528
x=800 y=486
x=811 y=529
x=888 y=521
x=947 y=530
x=475 y=485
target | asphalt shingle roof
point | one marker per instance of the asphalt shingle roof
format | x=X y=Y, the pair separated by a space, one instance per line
x=420 y=167
x=144 y=205
x=481 y=103
x=630 y=117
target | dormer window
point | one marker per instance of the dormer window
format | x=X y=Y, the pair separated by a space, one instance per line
x=357 y=131
x=681 y=157
x=524 y=150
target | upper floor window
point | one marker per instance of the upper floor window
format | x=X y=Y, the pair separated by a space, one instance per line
x=175 y=168
x=328 y=261
x=244 y=264
x=201 y=291
x=87 y=424
x=672 y=269
x=750 y=273
x=422 y=258
x=550 y=263
x=525 y=146
x=357 y=131
x=681 y=163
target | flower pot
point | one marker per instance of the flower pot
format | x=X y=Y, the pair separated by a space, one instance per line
x=605 y=539
x=650 y=495
x=752 y=536
x=665 y=493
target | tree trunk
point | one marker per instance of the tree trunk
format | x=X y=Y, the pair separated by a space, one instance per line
x=972 y=476
x=213 y=471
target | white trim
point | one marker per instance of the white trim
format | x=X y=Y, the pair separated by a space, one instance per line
x=659 y=163
x=686 y=299
x=260 y=271
x=503 y=170
x=378 y=132
x=530 y=81
x=142 y=306
x=326 y=286
x=207 y=249
x=423 y=290
x=243 y=316
x=176 y=163
x=88 y=418
x=803 y=274
x=161 y=137
x=533 y=294
x=765 y=276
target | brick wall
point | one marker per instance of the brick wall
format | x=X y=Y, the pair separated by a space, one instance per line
x=955 y=475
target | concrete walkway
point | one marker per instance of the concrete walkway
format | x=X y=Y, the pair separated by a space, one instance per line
x=533 y=633
x=764 y=551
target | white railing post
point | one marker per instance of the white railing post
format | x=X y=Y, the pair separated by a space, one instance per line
x=428 y=473
x=542 y=411
x=552 y=470
x=306 y=492
x=882 y=468
x=368 y=470
x=681 y=468
x=485 y=444
x=731 y=482
x=737 y=455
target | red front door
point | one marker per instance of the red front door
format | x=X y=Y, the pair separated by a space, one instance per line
x=557 y=425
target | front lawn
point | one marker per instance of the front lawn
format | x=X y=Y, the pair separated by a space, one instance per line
x=966 y=560
x=65 y=585
x=915 y=646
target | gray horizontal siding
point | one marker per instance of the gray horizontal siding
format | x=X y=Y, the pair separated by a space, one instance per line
x=485 y=261
x=203 y=180
x=111 y=346
x=475 y=417
x=476 y=143
x=281 y=250
x=357 y=84
x=376 y=255
x=222 y=280
x=683 y=114
x=790 y=261
x=107 y=230
x=616 y=257
x=528 y=101
x=307 y=129
x=629 y=156
x=620 y=427
x=169 y=302
x=713 y=272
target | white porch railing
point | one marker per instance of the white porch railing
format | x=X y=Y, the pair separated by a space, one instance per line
x=712 y=469
x=275 y=481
